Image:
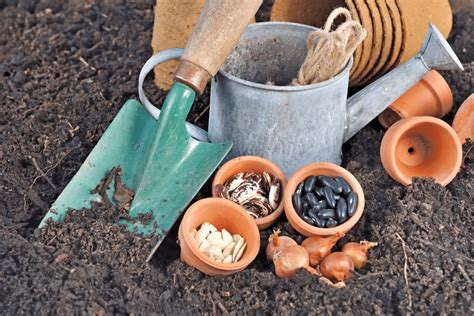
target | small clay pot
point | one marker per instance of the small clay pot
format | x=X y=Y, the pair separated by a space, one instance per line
x=316 y=169
x=463 y=122
x=252 y=164
x=421 y=146
x=431 y=96
x=222 y=214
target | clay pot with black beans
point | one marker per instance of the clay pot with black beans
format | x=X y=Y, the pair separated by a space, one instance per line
x=322 y=199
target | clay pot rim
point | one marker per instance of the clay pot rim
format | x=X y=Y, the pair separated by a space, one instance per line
x=219 y=179
x=462 y=118
x=440 y=89
x=400 y=128
x=239 y=265
x=314 y=169
x=262 y=86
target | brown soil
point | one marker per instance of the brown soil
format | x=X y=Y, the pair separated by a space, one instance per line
x=66 y=70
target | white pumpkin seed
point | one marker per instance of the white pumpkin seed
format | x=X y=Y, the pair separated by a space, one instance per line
x=237 y=247
x=226 y=236
x=236 y=237
x=227 y=259
x=193 y=232
x=217 y=242
x=214 y=236
x=203 y=245
x=201 y=235
x=240 y=253
x=213 y=252
x=228 y=249
x=211 y=228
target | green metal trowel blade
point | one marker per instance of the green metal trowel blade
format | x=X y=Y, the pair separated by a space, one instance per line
x=159 y=160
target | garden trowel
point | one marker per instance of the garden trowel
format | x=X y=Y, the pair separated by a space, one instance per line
x=160 y=162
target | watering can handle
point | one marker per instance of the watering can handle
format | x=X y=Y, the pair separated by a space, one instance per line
x=215 y=35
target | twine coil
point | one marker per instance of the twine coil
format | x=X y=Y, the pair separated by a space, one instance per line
x=329 y=51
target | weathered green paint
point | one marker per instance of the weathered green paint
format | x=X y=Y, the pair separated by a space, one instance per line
x=160 y=161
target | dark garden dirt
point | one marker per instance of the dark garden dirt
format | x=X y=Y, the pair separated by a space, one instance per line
x=65 y=71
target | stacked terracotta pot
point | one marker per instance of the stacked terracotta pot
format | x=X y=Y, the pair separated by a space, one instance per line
x=395 y=28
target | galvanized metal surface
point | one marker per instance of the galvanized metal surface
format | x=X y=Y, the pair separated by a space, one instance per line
x=297 y=125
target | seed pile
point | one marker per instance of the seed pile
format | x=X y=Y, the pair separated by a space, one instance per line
x=220 y=246
x=324 y=201
x=258 y=194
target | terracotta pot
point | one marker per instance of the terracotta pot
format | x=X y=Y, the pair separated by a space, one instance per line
x=315 y=169
x=222 y=214
x=463 y=122
x=431 y=96
x=252 y=164
x=421 y=146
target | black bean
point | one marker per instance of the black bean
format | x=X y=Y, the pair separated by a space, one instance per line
x=319 y=192
x=329 y=197
x=346 y=188
x=331 y=222
x=329 y=182
x=313 y=213
x=309 y=183
x=299 y=189
x=319 y=222
x=320 y=205
x=305 y=207
x=351 y=199
x=312 y=199
x=297 y=203
x=327 y=213
x=337 y=197
x=307 y=219
x=341 y=211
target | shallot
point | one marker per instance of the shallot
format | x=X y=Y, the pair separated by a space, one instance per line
x=358 y=252
x=320 y=247
x=290 y=259
x=277 y=243
x=337 y=267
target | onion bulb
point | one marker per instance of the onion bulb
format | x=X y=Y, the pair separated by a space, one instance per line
x=358 y=252
x=277 y=243
x=337 y=267
x=320 y=247
x=290 y=259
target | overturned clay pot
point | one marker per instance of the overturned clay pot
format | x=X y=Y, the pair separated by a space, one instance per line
x=421 y=146
x=252 y=164
x=316 y=169
x=222 y=214
x=431 y=96
x=463 y=122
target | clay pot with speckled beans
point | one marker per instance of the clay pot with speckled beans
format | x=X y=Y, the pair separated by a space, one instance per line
x=421 y=146
x=222 y=214
x=431 y=96
x=463 y=122
x=316 y=169
x=252 y=164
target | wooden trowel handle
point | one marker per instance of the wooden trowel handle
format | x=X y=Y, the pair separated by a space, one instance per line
x=215 y=35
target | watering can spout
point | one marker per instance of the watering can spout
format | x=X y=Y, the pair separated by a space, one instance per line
x=364 y=106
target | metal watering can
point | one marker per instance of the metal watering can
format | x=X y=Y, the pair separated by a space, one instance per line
x=296 y=125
